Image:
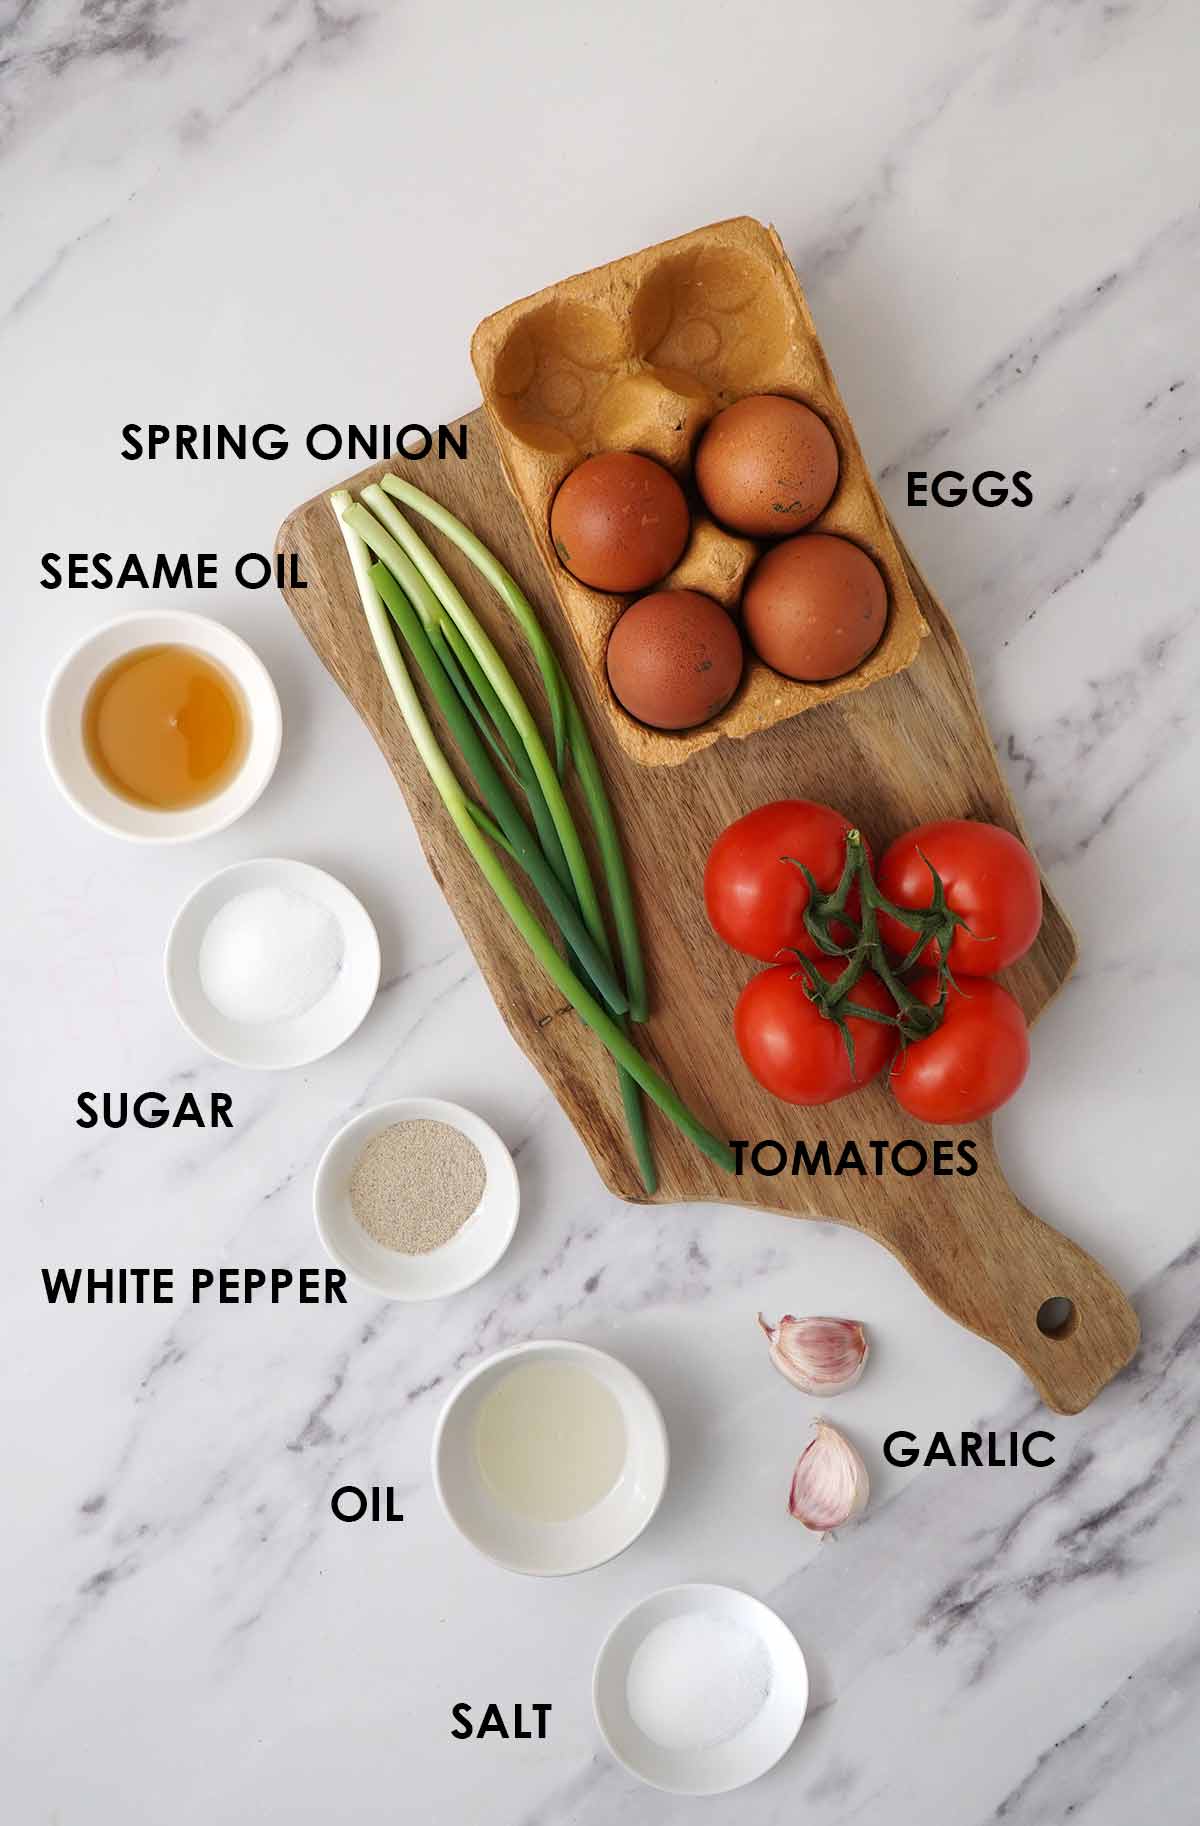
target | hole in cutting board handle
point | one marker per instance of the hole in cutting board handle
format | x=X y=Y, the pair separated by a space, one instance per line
x=1057 y=1317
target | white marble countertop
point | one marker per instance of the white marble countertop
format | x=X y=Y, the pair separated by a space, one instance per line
x=296 y=210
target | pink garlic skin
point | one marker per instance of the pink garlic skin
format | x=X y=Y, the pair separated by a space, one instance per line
x=830 y=1485
x=820 y=1356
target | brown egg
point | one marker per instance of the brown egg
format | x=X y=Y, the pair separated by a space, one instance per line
x=814 y=607
x=619 y=521
x=767 y=466
x=674 y=659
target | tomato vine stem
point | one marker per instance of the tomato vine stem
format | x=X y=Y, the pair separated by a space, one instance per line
x=828 y=913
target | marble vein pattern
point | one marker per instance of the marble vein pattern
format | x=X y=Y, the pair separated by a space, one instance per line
x=985 y=1621
x=295 y=211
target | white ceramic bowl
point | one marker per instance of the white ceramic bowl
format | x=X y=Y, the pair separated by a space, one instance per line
x=548 y=1549
x=740 y=1759
x=277 y=1045
x=62 y=726
x=469 y=1254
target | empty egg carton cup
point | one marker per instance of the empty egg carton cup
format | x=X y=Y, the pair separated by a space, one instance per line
x=640 y=355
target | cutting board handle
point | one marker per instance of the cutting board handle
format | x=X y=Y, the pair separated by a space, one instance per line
x=1003 y=1273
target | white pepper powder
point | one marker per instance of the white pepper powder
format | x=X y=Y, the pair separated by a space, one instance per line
x=415 y=1184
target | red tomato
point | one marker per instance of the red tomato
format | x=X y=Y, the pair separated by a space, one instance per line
x=755 y=899
x=974 y=1061
x=798 y=1053
x=989 y=878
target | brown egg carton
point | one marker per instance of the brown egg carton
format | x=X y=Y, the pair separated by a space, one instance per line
x=640 y=355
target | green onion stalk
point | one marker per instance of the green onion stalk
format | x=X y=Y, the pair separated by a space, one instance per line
x=558 y=693
x=391 y=538
x=415 y=577
x=566 y=717
x=406 y=553
x=503 y=819
x=418 y=573
x=479 y=829
x=501 y=830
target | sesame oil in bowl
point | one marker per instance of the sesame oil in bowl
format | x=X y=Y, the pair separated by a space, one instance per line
x=161 y=727
x=165 y=727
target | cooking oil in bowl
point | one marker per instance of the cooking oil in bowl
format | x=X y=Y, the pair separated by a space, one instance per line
x=550 y=1441
x=165 y=727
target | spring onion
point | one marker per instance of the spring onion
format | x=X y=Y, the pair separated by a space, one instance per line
x=443 y=608
x=419 y=563
x=509 y=830
x=518 y=838
x=558 y=693
x=371 y=581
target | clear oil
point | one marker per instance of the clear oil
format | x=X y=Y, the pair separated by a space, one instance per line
x=550 y=1441
x=165 y=727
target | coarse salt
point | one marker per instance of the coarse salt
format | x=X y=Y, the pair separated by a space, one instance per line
x=697 y=1680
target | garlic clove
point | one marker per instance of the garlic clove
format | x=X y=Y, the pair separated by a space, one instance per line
x=830 y=1483
x=820 y=1356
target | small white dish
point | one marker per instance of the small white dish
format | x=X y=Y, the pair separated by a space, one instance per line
x=551 y=1549
x=740 y=1759
x=470 y=1253
x=277 y=1045
x=62 y=726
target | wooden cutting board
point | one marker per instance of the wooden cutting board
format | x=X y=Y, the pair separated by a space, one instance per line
x=911 y=748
